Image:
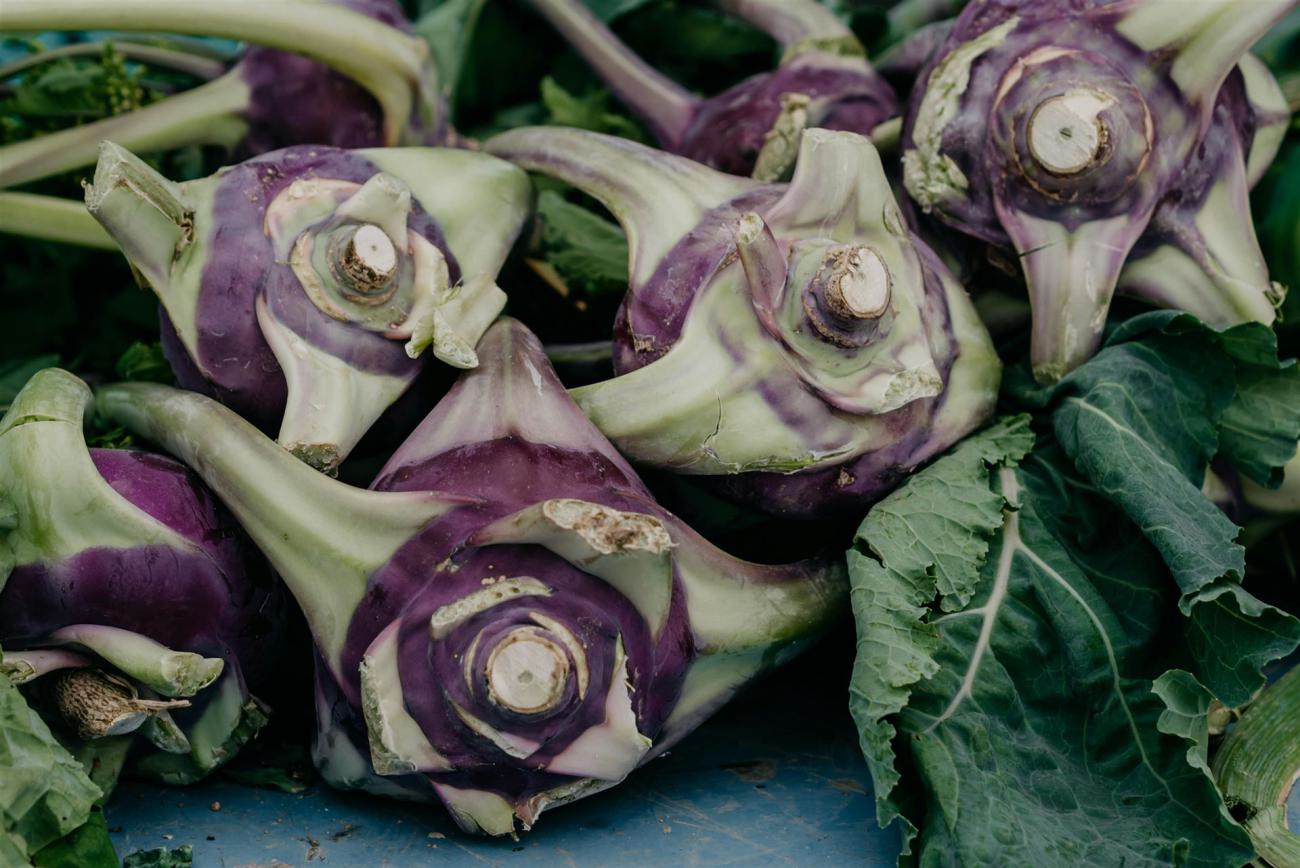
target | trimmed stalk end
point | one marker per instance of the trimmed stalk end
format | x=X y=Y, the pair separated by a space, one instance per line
x=144 y=212
x=1066 y=135
x=96 y=704
x=324 y=457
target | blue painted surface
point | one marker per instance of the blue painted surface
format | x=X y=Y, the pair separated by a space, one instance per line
x=774 y=779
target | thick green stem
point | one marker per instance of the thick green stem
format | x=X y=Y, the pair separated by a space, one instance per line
x=211 y=114
x=665 y=106
x=789 y=21
x=171 y=673
x=144 y=212
x=197 y=65
x=51 y=219
x=1259 y=763
x=1206 y=38
x=656 y=196
x=325 y=538
x=390 y=64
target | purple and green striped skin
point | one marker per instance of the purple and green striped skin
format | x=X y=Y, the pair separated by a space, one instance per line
x=506 y=514
x=1145 y=75
x=241 y=267
x=1198 y=254
x=728 y=131
x=268 y=304
x=111 y=550
x=731 y=361
x=219 y=601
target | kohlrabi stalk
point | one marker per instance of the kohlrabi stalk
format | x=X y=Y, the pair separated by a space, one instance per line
x=346 y=73
x=1258 y=766
x=1059 y=128
x=129 y=599
x=824 y=80
x=797 y=339
x=50 y=218
x=197 y=65
x=302 y=287
x=507 y=615
x=1200 y=253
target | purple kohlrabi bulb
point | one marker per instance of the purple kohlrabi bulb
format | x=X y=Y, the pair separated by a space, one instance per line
x=795 y=340
x=302 y=287
x=507 y=620
x=753 y=128
x=128 y=590
x=1060 y=128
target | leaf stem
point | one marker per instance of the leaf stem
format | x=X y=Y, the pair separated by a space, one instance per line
x=392 y=65
x=211 y=114
x=50 y=218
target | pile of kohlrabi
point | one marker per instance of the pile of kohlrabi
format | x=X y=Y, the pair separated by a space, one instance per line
x=483 y=393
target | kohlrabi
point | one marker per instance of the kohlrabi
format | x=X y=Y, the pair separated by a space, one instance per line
x=130 y=600
x=794 y=338
x=507 y=619
x=823 y=80
x=302 y=287
x=1060 y=128
x=346 y=73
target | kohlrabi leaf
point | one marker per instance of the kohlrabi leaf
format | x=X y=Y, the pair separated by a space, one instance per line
x=87 y=846
x=1038 y=647
x=44 y=794
x=588 y=251
x=144 y=362
x=161 y=857
x=1260 y=428
x=934 y=532
x=1164 y=396
x=1141 y=421
x=588 y=112
x=1030 y=717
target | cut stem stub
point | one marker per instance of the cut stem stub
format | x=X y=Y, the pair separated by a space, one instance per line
x=1066 y=135
x=859 y=286
x=527 y=672
x=97 y=704
x=367 y=263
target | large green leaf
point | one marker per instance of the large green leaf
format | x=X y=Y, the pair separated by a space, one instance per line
x=44 y=794
x=1142 y=420
x=1038 y=647
x=1029 y=716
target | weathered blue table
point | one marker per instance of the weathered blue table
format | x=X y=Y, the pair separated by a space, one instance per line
x=774 y=779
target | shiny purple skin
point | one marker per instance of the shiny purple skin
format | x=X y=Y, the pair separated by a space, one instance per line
x=295 y=100
x=728 y=130
x=221 y=603
x=241 y=369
